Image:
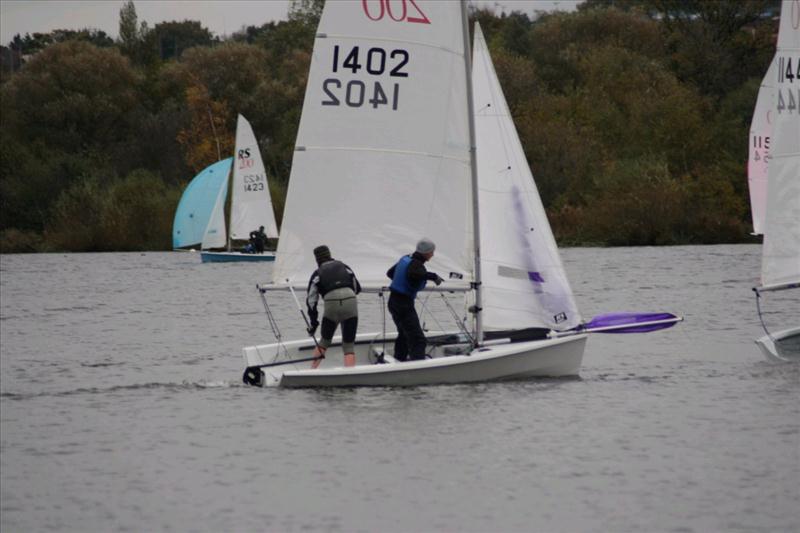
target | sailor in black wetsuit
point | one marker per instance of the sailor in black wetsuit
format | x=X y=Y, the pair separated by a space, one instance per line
x=258 y=239
x=410 y=276
x=338 y=286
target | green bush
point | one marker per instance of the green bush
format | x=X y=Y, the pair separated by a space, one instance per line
x=134 y=213
x=138 y=213
x=18 y=241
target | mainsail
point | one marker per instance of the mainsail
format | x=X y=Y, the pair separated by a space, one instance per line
x=251 y=204
x=758 y=160
x=382 y=156
x=780 y=266
x=523 y=278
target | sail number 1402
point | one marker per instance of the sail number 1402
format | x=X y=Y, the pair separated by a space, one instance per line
x=375 y=62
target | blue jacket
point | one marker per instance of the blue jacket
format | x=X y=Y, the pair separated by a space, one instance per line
x=400 y=281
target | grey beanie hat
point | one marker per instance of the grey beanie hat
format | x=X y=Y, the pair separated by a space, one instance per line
x=425 y=246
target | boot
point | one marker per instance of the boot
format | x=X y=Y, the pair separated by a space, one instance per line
x=319 y=353
x=349 y=359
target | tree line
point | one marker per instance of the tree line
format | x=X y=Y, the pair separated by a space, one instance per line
x=634 y=117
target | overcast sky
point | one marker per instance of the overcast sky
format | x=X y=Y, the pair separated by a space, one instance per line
x=221 y=17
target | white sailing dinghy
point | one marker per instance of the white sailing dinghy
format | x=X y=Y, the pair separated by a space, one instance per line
x=388 y=116
x=251 y=203
x=780 y=257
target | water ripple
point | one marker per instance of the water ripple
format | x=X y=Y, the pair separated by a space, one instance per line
x=123 y=410
x=184 y=386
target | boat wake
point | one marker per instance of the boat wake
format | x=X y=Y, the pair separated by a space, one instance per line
x=168 y=386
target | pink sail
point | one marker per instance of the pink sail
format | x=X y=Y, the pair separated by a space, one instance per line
x=759 y=155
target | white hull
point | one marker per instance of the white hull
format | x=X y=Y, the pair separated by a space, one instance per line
x=520 y=360
x=782 y=346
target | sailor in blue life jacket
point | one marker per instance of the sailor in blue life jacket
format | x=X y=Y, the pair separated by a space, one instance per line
x=409 y=276
x=338 y=286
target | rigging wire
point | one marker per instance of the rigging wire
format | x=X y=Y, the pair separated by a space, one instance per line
x=272 y=321
x=424 y=309
x=461 y=324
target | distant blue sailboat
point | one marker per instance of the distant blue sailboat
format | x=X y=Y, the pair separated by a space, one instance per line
x=197 y=204
x=200 y=218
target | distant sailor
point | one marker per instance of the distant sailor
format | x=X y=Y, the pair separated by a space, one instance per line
x=258 y=239
x=409 y=276
x=338 y=286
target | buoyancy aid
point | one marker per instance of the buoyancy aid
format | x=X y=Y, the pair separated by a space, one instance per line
x=400 y=282
x=333 y=275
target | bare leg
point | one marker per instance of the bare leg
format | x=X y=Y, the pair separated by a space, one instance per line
x=319 y=353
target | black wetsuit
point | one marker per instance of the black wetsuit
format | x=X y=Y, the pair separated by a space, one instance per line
x=258 y=239
x=338 y=286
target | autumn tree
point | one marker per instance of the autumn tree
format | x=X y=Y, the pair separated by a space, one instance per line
x=31 y=44
x=251 y=81
x=618 y=144
x=633 y=115
x=173 y=38
x=207 y=138
x=129 y=32
x=69 y=112
x=307 y=12
x=136 y=40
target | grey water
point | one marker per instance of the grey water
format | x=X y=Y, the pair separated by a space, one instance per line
x=122 y=409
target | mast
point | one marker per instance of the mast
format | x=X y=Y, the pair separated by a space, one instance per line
x=476 y=234
x=229 y=186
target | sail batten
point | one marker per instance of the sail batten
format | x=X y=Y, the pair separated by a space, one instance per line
x=383 y=150
x=459 y=53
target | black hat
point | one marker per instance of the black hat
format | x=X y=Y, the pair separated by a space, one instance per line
x=322 y=254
